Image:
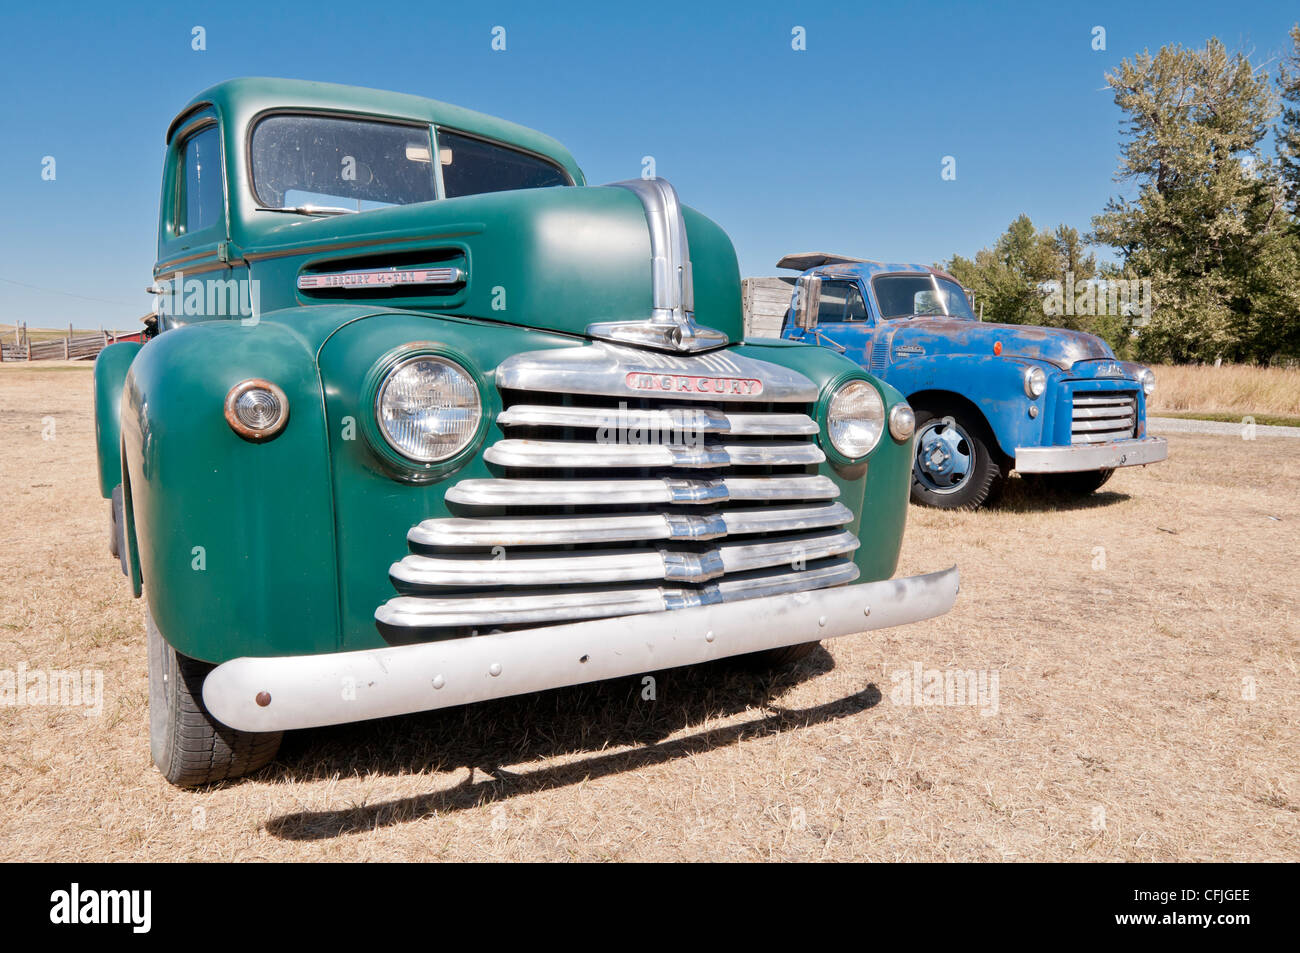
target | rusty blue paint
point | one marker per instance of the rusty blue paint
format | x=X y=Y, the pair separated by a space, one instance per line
x=982 y=363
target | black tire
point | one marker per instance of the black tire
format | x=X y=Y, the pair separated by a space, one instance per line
x=189 y=746
x=117 y=529
x=986 y=472
x=114 y=519
x=1068 y=484
x=780 y=657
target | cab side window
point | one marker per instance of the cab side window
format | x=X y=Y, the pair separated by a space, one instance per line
x=840 y=301
x=201 y=199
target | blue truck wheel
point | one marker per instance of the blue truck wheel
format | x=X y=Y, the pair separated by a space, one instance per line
x=954 y=467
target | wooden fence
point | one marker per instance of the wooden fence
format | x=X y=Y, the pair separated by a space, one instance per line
x=70 y=347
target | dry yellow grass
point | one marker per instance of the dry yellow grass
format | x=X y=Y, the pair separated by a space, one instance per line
x=1124 y=632
x=1232 y=388
x=42 y=334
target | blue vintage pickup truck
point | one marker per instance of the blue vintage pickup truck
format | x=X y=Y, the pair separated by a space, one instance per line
x=1053 y=404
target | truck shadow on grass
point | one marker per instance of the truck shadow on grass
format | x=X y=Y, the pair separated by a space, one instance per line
x=1019 y=497
x=548 y=724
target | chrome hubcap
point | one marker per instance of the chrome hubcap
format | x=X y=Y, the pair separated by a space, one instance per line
x=944 y=456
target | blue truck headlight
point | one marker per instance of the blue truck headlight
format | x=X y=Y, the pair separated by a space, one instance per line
x=1035 y=382
x=1147 y=378
x=428 y=409
x=855 y=419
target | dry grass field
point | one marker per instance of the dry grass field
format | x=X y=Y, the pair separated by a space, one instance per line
x=1144 y=644
x=1230 y=389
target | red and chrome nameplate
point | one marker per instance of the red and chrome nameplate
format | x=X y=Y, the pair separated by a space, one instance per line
x=387 y=278
x=688 y=384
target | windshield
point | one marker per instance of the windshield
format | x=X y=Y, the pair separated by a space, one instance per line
x=346 y=164
x=325 y=164
x=908 y=296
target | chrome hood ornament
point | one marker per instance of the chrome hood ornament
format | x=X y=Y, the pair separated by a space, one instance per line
x=671 y=326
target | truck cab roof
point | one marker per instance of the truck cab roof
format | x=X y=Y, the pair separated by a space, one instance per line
x=823 y=263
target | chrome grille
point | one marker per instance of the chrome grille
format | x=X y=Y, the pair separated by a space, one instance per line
x=580 y=520
x=1101 y=417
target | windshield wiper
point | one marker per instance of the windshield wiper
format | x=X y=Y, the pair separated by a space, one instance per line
x=309 y=210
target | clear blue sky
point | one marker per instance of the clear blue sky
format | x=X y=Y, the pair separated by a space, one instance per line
x=835 y=148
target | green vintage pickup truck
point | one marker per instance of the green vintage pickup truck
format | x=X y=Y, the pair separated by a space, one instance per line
x=427 y=420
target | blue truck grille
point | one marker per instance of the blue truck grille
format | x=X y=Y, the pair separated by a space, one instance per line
x=1102 y=417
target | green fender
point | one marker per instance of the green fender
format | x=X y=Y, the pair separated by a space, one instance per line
x=111 y=367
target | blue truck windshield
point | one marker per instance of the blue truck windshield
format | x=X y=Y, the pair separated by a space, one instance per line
x=912 y=295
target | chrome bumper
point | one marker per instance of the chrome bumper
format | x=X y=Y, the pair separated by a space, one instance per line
x=308 y=691
x=1091 y=456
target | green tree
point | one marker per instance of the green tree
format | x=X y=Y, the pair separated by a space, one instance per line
x=1205 y=225
x=1012 y=279
x=1288 y=134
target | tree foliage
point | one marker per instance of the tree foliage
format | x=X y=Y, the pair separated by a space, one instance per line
x=1206 y=217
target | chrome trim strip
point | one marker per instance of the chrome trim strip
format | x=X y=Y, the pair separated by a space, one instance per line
x=1118 y=399
x=622 y=565
x=685 y=420
x=461 y=532
x=1091 y=456
x=1090 y=413
x=1110 y=423
x=608 y=370
x=571 y=453
x=672 y=324
x=395 y=680
x=662 y=490
x=381 y=278
x=439 y=612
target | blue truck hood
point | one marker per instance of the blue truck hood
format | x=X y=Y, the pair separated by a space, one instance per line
x=939 y=335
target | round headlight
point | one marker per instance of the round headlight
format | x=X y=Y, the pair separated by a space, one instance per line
x=1147 y=378
x=428 y=409
x=1035 y=382
x=902 y=422
x=855 y=419
x=256 y=409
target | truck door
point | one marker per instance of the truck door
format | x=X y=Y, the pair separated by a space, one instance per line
x=842 y=320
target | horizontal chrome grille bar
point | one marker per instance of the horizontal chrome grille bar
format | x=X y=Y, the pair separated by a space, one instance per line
x=1103 y=401
x=1115 y=423
x=636 y=492
x=424 y=612
x=1101 y=437
x=1101 y=413
x=564 y=530
x=689 y=420
x=624 y=565
x=708 y=455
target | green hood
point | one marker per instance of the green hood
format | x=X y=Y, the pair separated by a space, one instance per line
x=557 y=259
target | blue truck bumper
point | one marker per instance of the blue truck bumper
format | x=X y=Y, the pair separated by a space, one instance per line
x=1091 y=456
